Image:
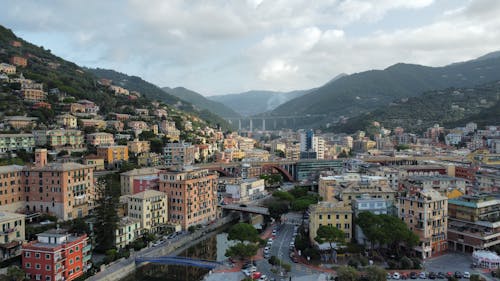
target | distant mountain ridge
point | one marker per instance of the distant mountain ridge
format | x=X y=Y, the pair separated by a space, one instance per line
x=357 y=93
x=256 y=102
x=202 y=102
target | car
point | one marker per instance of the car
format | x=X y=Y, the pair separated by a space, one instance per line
x=432 y=275
x=263 y=277
x=441 y=275
x=396 y=275
x=389 y=276
x=243 y=205
x=422 y=275
x=467 y=275
x=267 y=255
x=274 y=231
x=45 y=222
x=156 y=244
x=449 y=274
x=493 y=273
x=413 y=275
x=458 y=274
x=246 y=272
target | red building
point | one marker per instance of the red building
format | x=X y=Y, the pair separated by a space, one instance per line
x=56 y=255
x=146 y=183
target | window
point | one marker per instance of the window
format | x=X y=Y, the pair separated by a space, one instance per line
x=71 y=251
x=37 y=255
x=77 y=258
x=320 y=217
x=47 y=267
x=47 y=277
x=77 y=248
x=38 y=266
x=27 y=265
x=47 y=256
x=70 y=261
x=27 y=254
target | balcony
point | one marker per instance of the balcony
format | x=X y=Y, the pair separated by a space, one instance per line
x=87 y=248
x=87 y=258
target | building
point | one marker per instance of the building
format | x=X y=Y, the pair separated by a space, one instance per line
x=98 y=139
x=12 y=188
x=426 y=214
x=127 y=231
x=119 y=90
x=192 y=195
x=150 y=208
x=349 y=186
x=93 y=123
x=12 y=235
x=136 y=146
x=335 y=214
x=138 y=125
x=311 y=170
x=34 y=95
x=20 y=122
x=149 y=159
x=65 y=190
x=179 y=154
x=61 y=139
x=19 y=61
x=145 y=183
x=473 y=223
x=7 y=68
x=488 y=182
x=319 y=147
x=56 y=256
x=113 y=154
x=95 y=161
x=14 y=142
x=306 y=140
x=441 y=183
x=245 y=190
x=170 y=131
x=68 y=121
x=377 y=206
x=127 y=178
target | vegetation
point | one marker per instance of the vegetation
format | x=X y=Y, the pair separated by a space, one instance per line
x=106 y=212
x=330 y=234
x=14 y=273
x=347 y=273
x=272 y=180
x=248 y=245
x=375 y=273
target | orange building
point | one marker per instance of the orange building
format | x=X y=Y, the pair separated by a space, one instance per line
x=19 y=61
x=34 y=95
x=11 y=188
x=113 y=154
x=192 y=195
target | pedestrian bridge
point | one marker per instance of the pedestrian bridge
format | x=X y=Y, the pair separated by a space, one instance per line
x=174 y=260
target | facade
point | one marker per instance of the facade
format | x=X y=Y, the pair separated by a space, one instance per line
x=95 y=123
x=56 y=256
x=127 y=231
x=127 y=178
x=94 y=160
x=97 y=139
x=113 y=154
x=246 y=190
x=60 y=139
x=11 y=188
x=473 y=223
x=310 y=170
x=20 y=122
x=7 y=68
x=145 y=183
x=192 y=195
x=441 y=183
x=19 y=61
x=149 y=159
x=13 y=142
x=150 y=208
x=335 y=214
x=34 y=95
x=136 y=146
x=12 y=235
x=179 y=154
x=426 y=214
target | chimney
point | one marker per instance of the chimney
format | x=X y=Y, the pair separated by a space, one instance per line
x=40 y=157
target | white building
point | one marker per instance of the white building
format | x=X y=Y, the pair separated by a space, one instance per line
x=246 y=190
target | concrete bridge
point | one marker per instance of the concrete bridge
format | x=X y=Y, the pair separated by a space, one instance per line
x=246 y=209
x=264 y=123
x=174 y=260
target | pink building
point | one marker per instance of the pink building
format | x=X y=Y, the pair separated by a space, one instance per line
x=145 y=183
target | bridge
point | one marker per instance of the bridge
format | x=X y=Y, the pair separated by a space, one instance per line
x=247 y=209
x=175 y=260
x=274 y=122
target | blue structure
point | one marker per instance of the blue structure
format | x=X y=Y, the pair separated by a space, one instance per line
x=173 y=260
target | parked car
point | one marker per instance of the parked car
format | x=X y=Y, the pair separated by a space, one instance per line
x=467 y=275
x=458 y=274
x=422 y=275
x=413 y=275
x=396 y=275
x=441 y=275
x=432 y=275
x=389 y=276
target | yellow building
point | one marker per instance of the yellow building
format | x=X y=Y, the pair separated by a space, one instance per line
x=67 y=121
x=136 y=146
x=34 y=95
x=127 y=230
x=113 y=153
x=94 y=160
x=150 y=208
x=7 y=68
x=426 y=214
x=333 y=213
x=11 y=235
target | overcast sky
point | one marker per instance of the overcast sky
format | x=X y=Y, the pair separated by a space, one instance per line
x=219 y=47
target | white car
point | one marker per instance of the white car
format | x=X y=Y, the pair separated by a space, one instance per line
x=246 y=272
x=263 y=278
x=467 y=275
x=396 y=275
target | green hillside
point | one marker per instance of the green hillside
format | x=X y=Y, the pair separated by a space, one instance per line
x=366 y=91
x=154 y=92
x=201 y=102
x=450 y=107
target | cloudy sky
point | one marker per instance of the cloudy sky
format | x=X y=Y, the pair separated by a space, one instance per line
x=227 y=46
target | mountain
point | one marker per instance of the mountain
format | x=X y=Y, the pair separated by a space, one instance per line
x=256 y=102
x=153 y=92
x=362 y=92
x=201 y=102
x=450 y=107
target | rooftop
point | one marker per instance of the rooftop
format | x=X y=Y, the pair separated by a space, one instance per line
x=6 y=216
x=148 y=194
x=11 y=168
x=69 y=166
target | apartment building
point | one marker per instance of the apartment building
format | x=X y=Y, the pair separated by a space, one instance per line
x=127 y=231
x=11 y=188
x=68 y=121
x=179 y=154
x=441 y=183
x=7 y=68
x=56 y=256
x=12 y=234
x=426 y=214
x=192 y=195
x=34 y=95
x=333 y=213
x=20 y=122
x=13 y=142
x=127 y=178
x=245 y=190
x=136 y=146
x=19 y=61
x=150 y=208
x=113 y=154
x=60 y=139
x=100 y=138
x=473 y=223
x=349 y=186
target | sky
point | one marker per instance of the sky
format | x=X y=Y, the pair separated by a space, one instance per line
x=230 y=46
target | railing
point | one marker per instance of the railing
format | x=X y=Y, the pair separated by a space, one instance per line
x=87 y=258
x=87 y=248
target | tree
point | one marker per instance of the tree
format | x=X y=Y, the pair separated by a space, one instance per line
x=277 y=209
x=242 y=250
x=108 y=190
x=283 y=195
x=14 y=273
x=243 y=232
x=347 y=273
x=475 y=277
x=330 y=234
x=375 y=273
